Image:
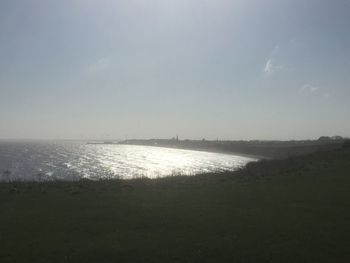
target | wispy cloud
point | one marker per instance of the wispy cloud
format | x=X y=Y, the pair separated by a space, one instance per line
x=309 y=88
x=276 y=50
x=271 y=67
x=316 y=90
x=99 y=65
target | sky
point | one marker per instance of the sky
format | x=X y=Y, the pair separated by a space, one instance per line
x=219 y=69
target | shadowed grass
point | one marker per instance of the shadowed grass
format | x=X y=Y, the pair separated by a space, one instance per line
x=293 y=210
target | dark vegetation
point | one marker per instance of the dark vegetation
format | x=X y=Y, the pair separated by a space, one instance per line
x=291 y=210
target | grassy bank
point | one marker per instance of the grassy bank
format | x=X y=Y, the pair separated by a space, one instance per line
x=294 y=210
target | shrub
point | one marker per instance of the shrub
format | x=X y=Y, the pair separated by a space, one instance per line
x=346 y=144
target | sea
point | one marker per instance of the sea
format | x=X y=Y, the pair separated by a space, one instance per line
x=74 y=160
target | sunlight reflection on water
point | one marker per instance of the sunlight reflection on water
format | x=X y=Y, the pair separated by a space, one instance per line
x=70 y=161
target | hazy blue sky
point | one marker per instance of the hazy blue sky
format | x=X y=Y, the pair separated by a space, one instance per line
x=239 y=69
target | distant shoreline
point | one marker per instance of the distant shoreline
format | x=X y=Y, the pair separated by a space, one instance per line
x=210 y=150
x=252 y=149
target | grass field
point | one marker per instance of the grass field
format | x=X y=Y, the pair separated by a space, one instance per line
x=293 y=210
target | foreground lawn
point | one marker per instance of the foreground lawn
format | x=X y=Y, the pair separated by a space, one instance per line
x=295 y=210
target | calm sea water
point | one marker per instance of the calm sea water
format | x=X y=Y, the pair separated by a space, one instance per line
x=74 y=160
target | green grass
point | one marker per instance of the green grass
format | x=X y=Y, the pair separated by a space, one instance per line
x=294 y=210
